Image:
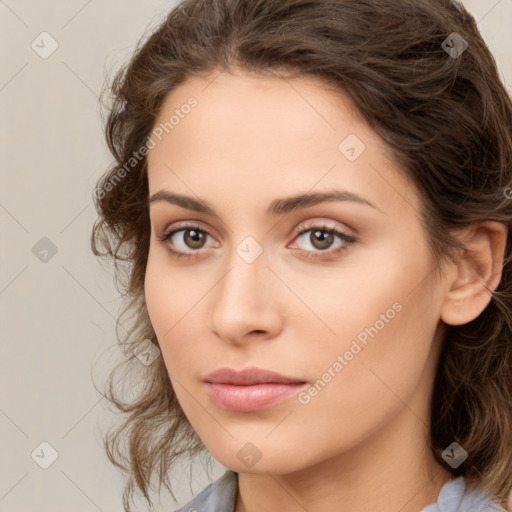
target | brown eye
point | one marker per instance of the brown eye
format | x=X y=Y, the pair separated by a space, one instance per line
x=321 y=239
x=194 y=238
x=185 y=241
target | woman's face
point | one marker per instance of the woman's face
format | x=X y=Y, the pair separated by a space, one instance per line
x=339 y=295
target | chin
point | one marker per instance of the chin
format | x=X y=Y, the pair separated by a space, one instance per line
x=253 y=458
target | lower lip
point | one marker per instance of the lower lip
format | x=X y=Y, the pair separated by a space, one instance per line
x=250 y=398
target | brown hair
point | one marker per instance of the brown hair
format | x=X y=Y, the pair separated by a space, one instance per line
x=446 y=117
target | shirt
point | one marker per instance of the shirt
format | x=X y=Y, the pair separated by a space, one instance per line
x=221 y=495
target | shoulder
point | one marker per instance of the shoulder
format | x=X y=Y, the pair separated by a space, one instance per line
x=456 y=497
x=219 y=496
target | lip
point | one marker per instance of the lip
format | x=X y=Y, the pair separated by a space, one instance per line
x=249 y=376
x=251 y=389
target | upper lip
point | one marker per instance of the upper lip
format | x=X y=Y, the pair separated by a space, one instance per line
x=248 y=376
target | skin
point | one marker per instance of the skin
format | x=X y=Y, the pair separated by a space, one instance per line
x=360 y=443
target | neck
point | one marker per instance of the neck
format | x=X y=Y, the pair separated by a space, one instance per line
x=390 y=470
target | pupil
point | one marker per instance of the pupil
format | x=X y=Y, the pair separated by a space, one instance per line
x=321 y=239
x=194 y=238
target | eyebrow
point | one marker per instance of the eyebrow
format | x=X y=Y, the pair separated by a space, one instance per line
x=277 y=206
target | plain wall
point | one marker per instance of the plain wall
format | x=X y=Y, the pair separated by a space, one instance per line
x=57 y=311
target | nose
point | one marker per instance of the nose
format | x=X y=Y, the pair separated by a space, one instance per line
x=246 y=305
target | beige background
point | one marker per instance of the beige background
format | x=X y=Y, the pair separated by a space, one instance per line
x=58 y=316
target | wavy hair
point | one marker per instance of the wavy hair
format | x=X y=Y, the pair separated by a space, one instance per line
x=447 y=118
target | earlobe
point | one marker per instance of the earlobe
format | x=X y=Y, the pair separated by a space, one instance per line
x=477 y=273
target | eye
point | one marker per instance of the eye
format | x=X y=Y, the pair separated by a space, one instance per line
x=187 y=239
x=320 y=241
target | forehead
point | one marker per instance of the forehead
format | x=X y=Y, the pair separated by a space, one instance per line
x=262 y=104
x=249 y=130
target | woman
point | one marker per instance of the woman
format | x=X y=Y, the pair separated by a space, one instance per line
x=313 y=198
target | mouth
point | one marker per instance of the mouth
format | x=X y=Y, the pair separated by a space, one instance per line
x=251 y=389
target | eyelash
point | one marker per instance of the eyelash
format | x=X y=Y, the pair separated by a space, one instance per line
x=302 y=229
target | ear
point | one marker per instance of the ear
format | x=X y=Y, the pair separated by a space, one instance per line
x=476 y=274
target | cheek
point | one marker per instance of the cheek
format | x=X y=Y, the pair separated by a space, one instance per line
x=363 y=295
x=372 y=388
x=174 y=299
x=385 y=322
